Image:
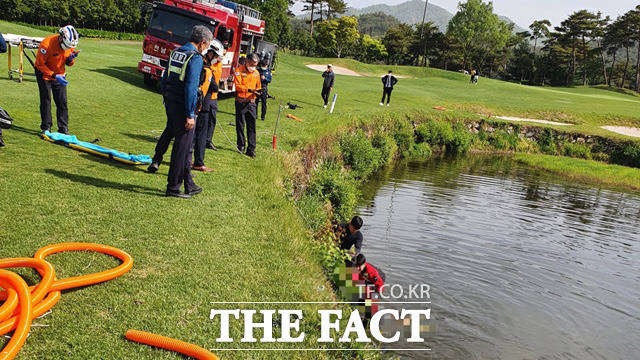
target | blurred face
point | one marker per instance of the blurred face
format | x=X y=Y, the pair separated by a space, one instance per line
x=212 y=57
x=329 y=69
x=352 y=229
x=362 y=267
x=251 y=65
x=202 y=46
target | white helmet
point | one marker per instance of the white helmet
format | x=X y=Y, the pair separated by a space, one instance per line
x=69 y=37
x=216 y=47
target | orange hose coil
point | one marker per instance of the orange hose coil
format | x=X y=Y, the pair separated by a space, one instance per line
x=9 y=280
x=23 y=303
x=170 y=344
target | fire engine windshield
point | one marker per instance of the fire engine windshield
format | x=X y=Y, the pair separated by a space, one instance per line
x=174 y=27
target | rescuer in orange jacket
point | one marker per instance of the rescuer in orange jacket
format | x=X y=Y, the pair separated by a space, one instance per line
x=216 y=69
x=54 y=54
x=209 y=104
x=248 y=88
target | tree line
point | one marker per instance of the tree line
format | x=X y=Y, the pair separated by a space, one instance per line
x=121 y=15
x=585 y=49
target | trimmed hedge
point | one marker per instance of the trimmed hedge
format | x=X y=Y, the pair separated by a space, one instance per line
x=92 y=33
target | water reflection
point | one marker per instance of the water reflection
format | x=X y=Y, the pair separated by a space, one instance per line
x=522 y=265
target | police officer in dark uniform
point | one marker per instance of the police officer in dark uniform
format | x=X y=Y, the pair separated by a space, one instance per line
x=180 y=83
x=265 y=80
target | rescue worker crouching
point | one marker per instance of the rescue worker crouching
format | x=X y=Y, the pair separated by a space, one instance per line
x=206 y=121
x=55 y=52
x=248 y=88
x=180 y=83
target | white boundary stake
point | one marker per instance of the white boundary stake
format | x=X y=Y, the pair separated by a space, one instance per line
x=333 y=105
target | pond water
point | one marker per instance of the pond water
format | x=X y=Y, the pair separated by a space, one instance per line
x=520 y=264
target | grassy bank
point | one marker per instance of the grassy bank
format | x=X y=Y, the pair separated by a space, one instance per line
x=590 y=171
x=223 y=245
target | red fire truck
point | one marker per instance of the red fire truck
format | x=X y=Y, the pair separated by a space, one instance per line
x=238 y=27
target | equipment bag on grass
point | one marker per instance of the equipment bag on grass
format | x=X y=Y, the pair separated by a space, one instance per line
x=5 y=120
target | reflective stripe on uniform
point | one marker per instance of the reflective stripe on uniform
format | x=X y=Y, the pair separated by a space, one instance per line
x=182 y=59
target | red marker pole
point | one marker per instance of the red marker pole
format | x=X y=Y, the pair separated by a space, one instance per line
x=275 y=130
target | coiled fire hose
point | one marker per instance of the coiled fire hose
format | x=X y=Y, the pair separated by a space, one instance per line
x=170 y=344
x=20 y=303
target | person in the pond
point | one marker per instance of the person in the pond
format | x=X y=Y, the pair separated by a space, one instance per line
x=369 y=275
x=350 y=236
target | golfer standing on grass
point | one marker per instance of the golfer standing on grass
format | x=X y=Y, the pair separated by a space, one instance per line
x=55 y=52
x=388 y=82
x=327 y=84
x=180 y=84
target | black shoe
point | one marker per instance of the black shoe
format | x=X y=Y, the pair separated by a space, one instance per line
x=262 y=119
x=153 y=168
x=251 y=154
x=195 y=190
x=177 y=195
x=212 y=147
x=63 y=132
x=1 y=142
x=240 y=150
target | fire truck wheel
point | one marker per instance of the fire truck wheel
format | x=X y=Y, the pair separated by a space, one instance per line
x=149 y=81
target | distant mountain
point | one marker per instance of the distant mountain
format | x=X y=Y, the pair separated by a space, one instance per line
x=516 y=27
x=410 y=12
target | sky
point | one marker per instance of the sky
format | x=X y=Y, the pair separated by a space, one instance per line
x=524 y=12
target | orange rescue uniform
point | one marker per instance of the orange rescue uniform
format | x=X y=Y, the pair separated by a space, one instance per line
x=206 y=83
x=245 y=81
x=216 y=69
x=212 y=76
x=51 y=58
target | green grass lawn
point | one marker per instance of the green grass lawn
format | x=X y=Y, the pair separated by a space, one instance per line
x=242 y=239
x=585 y=170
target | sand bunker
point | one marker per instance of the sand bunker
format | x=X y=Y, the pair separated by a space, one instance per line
x=510 y=118
x=344 y=71
x=624 y=130
x=336 y=69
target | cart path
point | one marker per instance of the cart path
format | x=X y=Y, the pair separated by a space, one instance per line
x=511 y=118
x=624 y=130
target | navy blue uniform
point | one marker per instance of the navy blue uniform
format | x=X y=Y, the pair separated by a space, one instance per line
x=180 y=83
x=265 y=80
x=3 y=44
